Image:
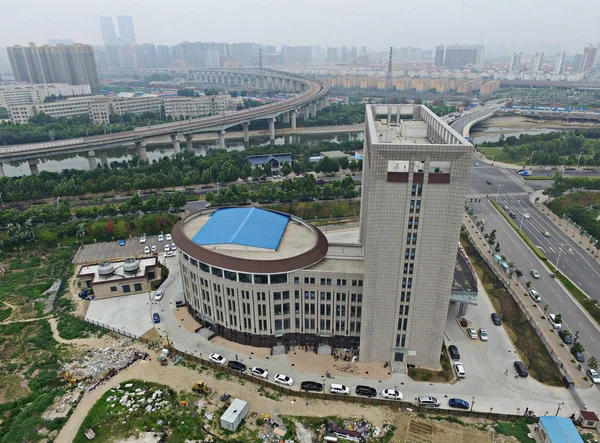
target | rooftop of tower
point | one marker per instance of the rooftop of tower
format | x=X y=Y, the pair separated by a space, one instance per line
x=409 y=125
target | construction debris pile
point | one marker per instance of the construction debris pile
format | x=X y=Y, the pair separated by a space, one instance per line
x=62 y=405
x=49 y=295
x=353 y=431
x=273 y=429
x=133 y=399
x=98 y=365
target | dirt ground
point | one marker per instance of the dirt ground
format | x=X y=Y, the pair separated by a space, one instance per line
x=410 y=428
x=321 y=363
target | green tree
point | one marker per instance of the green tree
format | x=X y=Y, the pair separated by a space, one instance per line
x=120 y=230
x=177 y=200
x=528 y=284
x=162 y=203
x=558 y=319
x=135 y=201
x=48 y=237
x=577 y=346
x=286 y=169
x=267 y=168
x=593 y=363
x=518 y=273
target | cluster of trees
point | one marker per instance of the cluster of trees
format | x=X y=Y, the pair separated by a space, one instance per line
x=185 y=169
x=555 y=148
x=43 y=128
x=50 y=233
x=440 y=108
x=62 y=212
x=299 y=189
x=3 y=112
x=156 y=77
x=337 y=115
x=563 y=184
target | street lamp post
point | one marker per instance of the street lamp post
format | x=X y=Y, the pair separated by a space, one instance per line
x=531 y=159
x=498 y=192
x=579 y=158
x=560 y=403
x=559 y=252
x=57 y=201
x=472 y=403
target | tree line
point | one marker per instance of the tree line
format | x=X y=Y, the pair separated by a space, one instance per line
x=185 y=169
x=288 y=190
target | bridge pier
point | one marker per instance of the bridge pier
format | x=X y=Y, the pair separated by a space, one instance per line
x=92 y=160
x=103 y=158
x=33 y=166
x=176 y=146
x=306 y=112
x=326 y=101
x=189 y=145
x=221 y=139
x=246 y=133
x=2 y=170
x=313 y=109
x=294 y=114
x=140 y=147
x=286 y=117
x=272 y=129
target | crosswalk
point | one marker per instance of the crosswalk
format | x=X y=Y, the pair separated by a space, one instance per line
x=502 y=195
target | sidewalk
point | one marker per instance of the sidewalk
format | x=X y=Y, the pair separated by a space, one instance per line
x=534 y=312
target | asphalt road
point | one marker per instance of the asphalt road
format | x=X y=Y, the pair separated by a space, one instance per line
x=551 y=291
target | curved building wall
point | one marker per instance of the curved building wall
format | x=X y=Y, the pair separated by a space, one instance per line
x=276 y=304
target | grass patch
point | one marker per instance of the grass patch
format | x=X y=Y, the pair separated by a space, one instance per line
x=510 y=221
x=272 y=395
x=517 y=429
x=70 y=328
x=538 y=178
x=450 y=418
x=500 y=156
x=114 y=422
x=530 y=347
x=20 y=263
x=5 y=313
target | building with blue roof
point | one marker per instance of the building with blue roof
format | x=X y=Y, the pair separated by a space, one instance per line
x=276 y=160
x=558 y=430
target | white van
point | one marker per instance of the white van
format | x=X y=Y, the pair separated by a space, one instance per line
x=428 y=402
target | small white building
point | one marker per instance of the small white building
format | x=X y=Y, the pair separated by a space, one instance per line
x=235 y=413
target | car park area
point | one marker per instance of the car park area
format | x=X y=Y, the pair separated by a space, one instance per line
x=112 y=251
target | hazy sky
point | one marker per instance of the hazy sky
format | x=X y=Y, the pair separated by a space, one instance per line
x=545 y=24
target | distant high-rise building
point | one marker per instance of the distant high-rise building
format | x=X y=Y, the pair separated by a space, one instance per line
x=71 y=64
x=164 y=56
x=559 y=63
x=439 y=55
x=213 y=59
x=109 y=35
x=332 y=55
x=538 y=60
x=404 y=54
x=578 y=63
x=245 y=52
x=60 y=41
x=515 y=62
x=126 y=30
x=296 y=54
x=590 y=53
x=352 y=53
x=344 y=54
x=457 y=56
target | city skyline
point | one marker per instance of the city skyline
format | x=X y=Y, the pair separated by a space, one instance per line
x=564 y=30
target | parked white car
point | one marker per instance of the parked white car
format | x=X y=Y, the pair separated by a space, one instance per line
x=167 y=248
x=594 y=376
x=336 y=388
x=392 y=393
x=158 y=295
x=216 y=358
x=260 y=372
x=147 y=250
x=283 y=379
x=161 y=237
x=154 y=248
x=460 y=370
x=553 y=322
x=173 y=247
x=143 y=239
x=168 y=238
x=170 y=254
x=535 y=295
x=472 y=333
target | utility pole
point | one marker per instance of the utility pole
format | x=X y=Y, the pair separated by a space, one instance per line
x=388 y=80
x=579 y=158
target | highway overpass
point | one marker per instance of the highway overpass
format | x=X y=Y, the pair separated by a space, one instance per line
x=312 y=96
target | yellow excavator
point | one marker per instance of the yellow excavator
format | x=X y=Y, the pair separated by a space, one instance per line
x=201 y=388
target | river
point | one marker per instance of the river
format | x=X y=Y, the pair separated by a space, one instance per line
x=57 y=163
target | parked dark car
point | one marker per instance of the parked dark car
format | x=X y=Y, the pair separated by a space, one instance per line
x=366 y=391
x=311 y=386
x=496 y=319
x=521 y=369
x=156 y=317
x=236 y=366
x=578 y=355
x=512 y=215
x=458 y=403
x=566 y=336
x=489 y=182
x=453 y=351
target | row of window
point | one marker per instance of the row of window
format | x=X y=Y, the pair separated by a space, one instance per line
x=327 y=281
x=127 y=288
x=259 y=279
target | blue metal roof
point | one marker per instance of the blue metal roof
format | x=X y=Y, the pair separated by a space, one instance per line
x=560 y=430
x=243 y=226
x=262 y=159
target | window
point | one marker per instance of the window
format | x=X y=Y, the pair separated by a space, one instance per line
x=419 y=189
x=279 y=279
x=413 y=191
x=403 y=342
x=404 y=282
x=126 y=288
x=204 y=267
x=312 y=280
x=323 y=281
x=193 y=261
x=297 y=323
x=286 y=309
x=410 y=222
x=278 y=325
x=406 y=253
x=230 y=275
x=328 y=282
x=296 y=280
x=113 y=289
x=418 y=206
x=354 y=282
x=416 y=222
x=216 y=271
x=412 y=206
x=276 y=296
x=297 y=295
x=408 y=237
x=401 y=310
x=360 y=283
x=405 y=324
x=406 y=310
x=414 y=238
x=351 y=326
x=137 y=286
x=286 y=295
x=405 y=268
x=398 y=340
x=261 y=279
x=297 y=308
x=353 y=297
x=278 y=309
x=352 y=311
x=306 y=280
x=358 y=311
x=306 y=295
x=286 y=323
x=322 y=310
x=412 y=253
x=410 y=282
